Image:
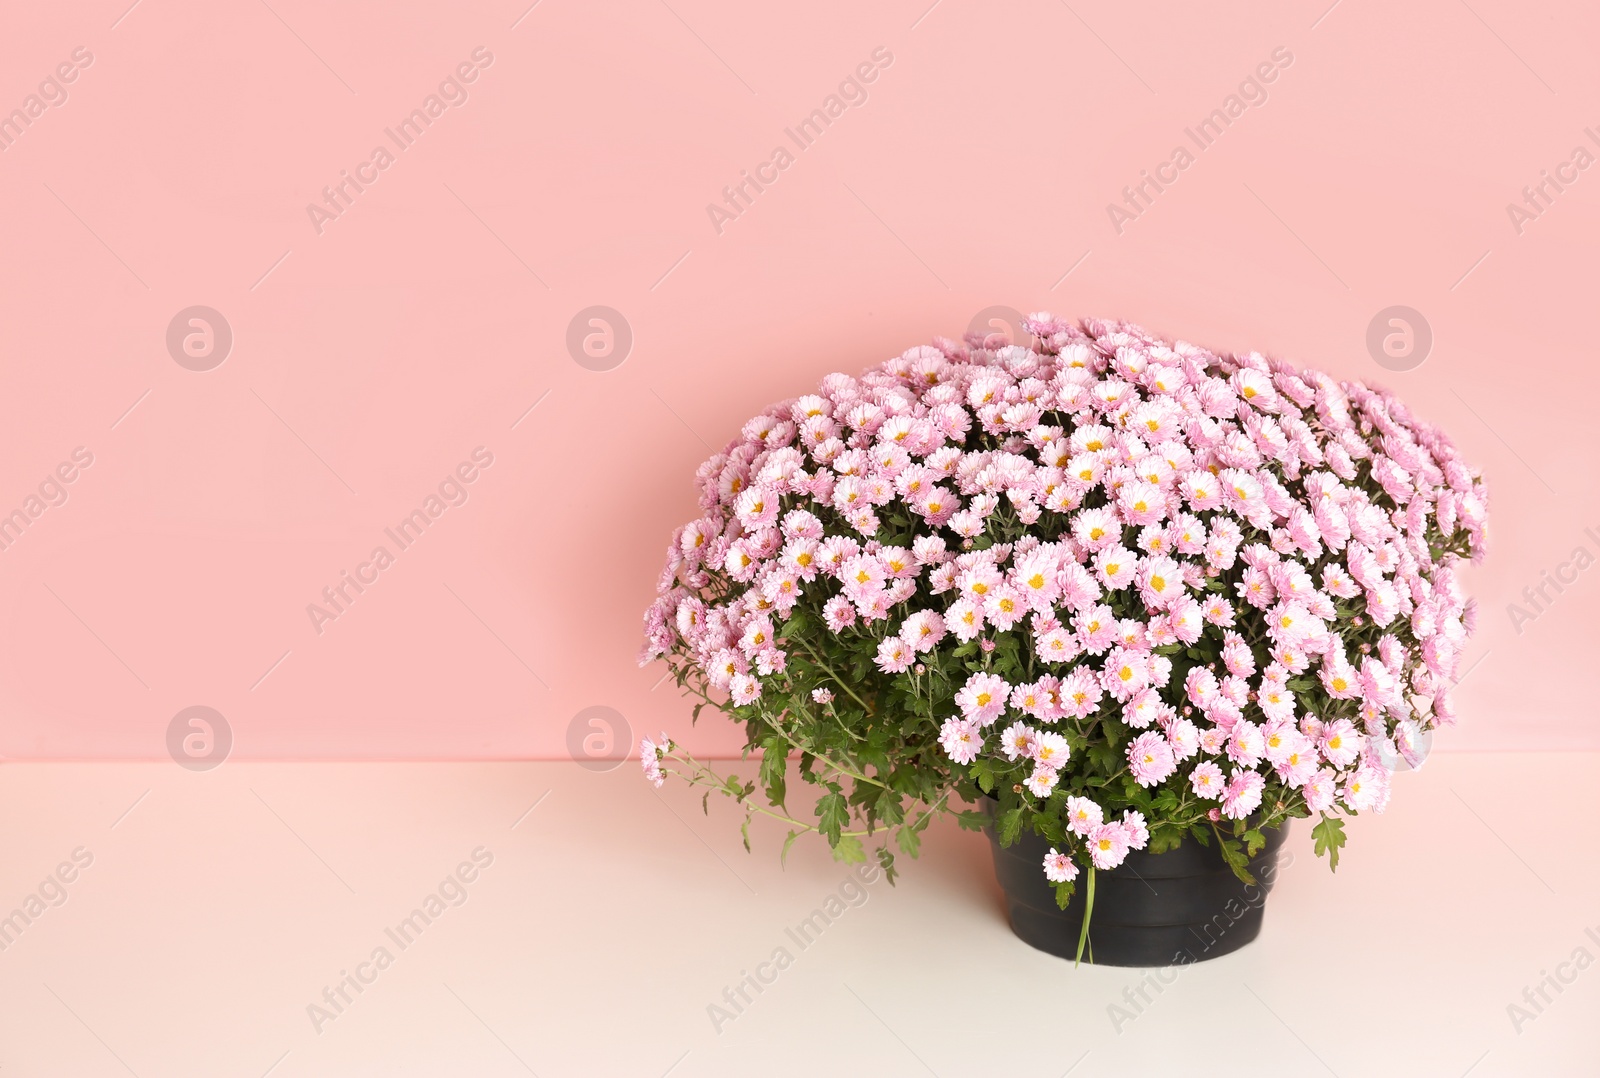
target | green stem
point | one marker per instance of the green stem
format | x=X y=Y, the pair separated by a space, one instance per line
x=1088 y=910
x=836 y=678
x=714 y=782
x=837 y=767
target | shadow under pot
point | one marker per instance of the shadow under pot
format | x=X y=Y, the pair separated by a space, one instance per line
x=1154 y=909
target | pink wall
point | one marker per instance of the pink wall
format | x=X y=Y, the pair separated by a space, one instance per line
x=371 y=359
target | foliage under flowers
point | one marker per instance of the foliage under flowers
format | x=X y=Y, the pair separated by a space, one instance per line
x=1134 y=591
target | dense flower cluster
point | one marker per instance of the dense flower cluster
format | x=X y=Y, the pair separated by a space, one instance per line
x=1122 y=584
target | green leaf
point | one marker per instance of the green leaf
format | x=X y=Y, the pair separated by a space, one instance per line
x=774 y=764
x=1009 y=826
x=1064 y=894
x=849 y=850
x=886 y=862
x=783 y=858
x=1329 y=835
x=909 y=841
x=982 y=773
x=744 y=829
x=1233 y=853
x=1164 y=836
x=1253 y=842
x=889 y=807
x=971 y=820
x=833 y=814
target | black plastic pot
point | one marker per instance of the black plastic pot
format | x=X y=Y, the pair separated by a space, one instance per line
x=1164 y=909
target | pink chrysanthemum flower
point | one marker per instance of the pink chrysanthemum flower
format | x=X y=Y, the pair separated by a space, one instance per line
x=1019 y=741
x=1050 y=750
x=1206 y=780
x=743 y=689
x=1136 y=829
x=1058 y=867
x=1108 y=845
x=1242 y=795
x=1365 y=789
x=983 y=698
x=923 y=630
x=839 y=613
x=894 y=655
x=1341 y=743
x=1083 y=815
x=1150 y=758
x=1097 y=629
x=961 y=739
x=650 y=753
x=1042 y=781
x=1114 y=566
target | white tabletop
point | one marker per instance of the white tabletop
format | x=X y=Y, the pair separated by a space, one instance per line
x=218 y=907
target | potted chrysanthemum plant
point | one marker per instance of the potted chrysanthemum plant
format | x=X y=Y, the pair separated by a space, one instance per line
x=1129 y=605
